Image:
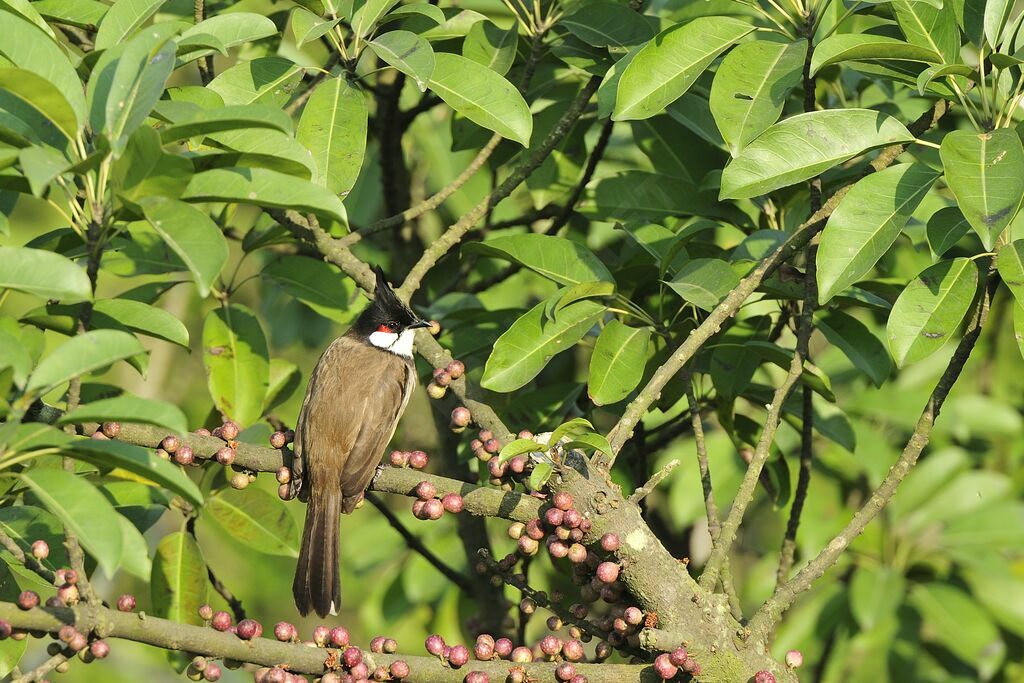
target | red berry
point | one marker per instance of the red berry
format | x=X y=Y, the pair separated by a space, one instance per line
x=461 y=417
x=565 y=672
x=442 y=378
x=553 y=516
x=425 y=490
x=70 y=577
x=452 y=502
x=534 y=530
x=433 y=509
x=476 y=677
x=456 y=369
x=99 y=649
x=572 y=518
x=399 y=669
x=764 y=677
x=562 y=500
x=503 y=647
x=126 y=603
x=377 y=644
x=492 y=445
x=458 y=656
x=608 y=572
x=352 y=657
x=339 y=636
x=484 y=650
x=249 y=629
x=211 y=673
x=573 y=650
x=517 y=464
x=417 y=509
x=277 y=440
x=221 y=621
x=678 y=656
x=28 y=600
x=284 y=631
x=610 y=543
x=418 y=460
x=5 y=629
x=434 y=644
x=664 y=667
x=226 y=455
x=551 y=646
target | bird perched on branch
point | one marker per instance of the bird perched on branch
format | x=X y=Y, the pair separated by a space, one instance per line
x=355 y=397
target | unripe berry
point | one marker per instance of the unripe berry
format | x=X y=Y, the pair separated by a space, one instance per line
x=40 y=550
x=284 y=491
x=477 y=677
x=78 y=643
x=503 y=647
x=764 y=677
x=565 y=672
x=578 y=610
x=425 y=490
x=577 y=553
x=456 y=369
x=162 y=454
x=434 y=644
x=603 y=650
x=277 y=440
x=458 y=656
x=28 y=599
x=66 y=633
x=390 y=646
x=98 y=435
x=229 y=430
x=452 y=502
x=575 y=535
x=360 y=672
x=239 y=480
x=496 y=468
x=558 y=549
x=664 y=667
x=435 y=391
x=399 y=669
x=321 y=634
x=111 y=429
x=461 y=417
x=483 y=650
x=528 y=546
x=610 y=543
x=184 y=455
x=553 y=623
x=352 y=657
x=226 y=456
x=205 y=612
x=573 y=650
x=442 y=378
x=99 y=649
x=417 y=509
x=377 y=644
x=551 y=646
x=284 y=631
x=399 y=458
x=517 y=675
x=418 y=460
x=516 y=530
x=202 y=431
x=608 y=572
x=435 y=328
x=586 y=525
x=211 y=673
x=221 y=621
x=562 y=500
x=522 y=655
x=170 y=443
x=339 y=636
x=126 y=603
x=433 y=509
x=794 y=659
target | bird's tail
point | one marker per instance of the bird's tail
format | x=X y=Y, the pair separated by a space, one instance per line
x=316 y=586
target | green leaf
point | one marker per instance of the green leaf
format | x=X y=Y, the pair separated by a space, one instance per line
x=638 y=195
x=997 y=13
x=608 y=24
x=956 y=621
x=751 y=87
x=529 y=344
x=482 y=96
x=556 y=258
x=284 y=380
x=866 y=224
x=540 y=475
x=193 y=236
x=618 y=362
x=704 y=282
x=409 y=53
x=26 y=524
x=590 y=441
x=117 y=314
x=986 y=173
x=1018 y=325
x=270 y=149
x=308 y=27
x=133 y=409
x=124 y=18
x=232 y=29
x=492 y=46
x=28 y=10
x=262 y=187
x=945 y=228
x=333 y=128
x=518 y=447
x=930 y=27
x=669 y=63
x=42 y=96
x=41 y=166
x=11 y=650
x=866 y=351
x=178 y=585
x=930 y=309
x=842 y=47
x=27 y=47
x=319 y=285
x=43 y=273
x=573 y=428
x=925 y=78
x=584 y=290
x=365 y=18
x=236 y=361
x=419 y=9
x=876 y=594
x=207 y=121
x=134 y=551
x=144 y=169
x=1010 y=262
x=82 y=508
x=806 y=145
x=1001 y=593
x=256 y=519
x=81 y=354
x=85 y=14
x=264 y=80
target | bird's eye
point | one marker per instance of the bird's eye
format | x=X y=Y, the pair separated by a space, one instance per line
x=384 y=327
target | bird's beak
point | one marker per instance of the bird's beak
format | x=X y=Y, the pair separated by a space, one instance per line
x=418 y=324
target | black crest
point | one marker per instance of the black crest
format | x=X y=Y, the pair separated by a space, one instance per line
x=385 y=309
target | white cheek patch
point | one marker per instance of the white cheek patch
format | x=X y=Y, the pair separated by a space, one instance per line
x=399 y=344
x=383 y=340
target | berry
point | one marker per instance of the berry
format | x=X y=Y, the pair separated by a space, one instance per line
x=434 y=644
x=111 y=429
x=68 y=576
x=691 y=666
x=579 y=678
x=205 y=612
x=184 y=455
x=603 y=650
x=170 y=443
x=633 y=616
x=202 y=431
x=794 y=659
x=572 y=518
x=433 y=509
x=573 y=650
x=610 y=543
x=352 y=657
x=239 y=480
x=359 y=672
x=517 y=464
x=458 y=656
x=226 y=455
x=425 y=490
x=5 y=629
x=99 y=649
x=390 y=646
x=284 y=631
x=528 y=546
x=417 y=460
x=435 y=328
x=565 y=672
x=339 y=636
x=320 y=635
x=484 y=650
x=522 y=655
x=40 y=550
x=283 y=474
x=456 y=369
x=277 y=440
x=452 y=502
x=442 y=378
x=28 y=600
x=553 y=516
x=678 y=656
x=577 y=553
x=516 y=530
x=126 y=603
x=399 y=458
x=435 y=390
x=162 y=454
x=608 y=572
x=764 y=677
x=221 y=621
x=66 y=633
x=558 y=549
x=476 y=677
x=211 y=673
x=99 y=436
x=503 y=647
x=417 y=509
x=461 y=416
x=399 y=669
x=249 y=629
x=492 y=445
x=377 y=644
x=664 y=667
x=527 y=606
x=284 y=491
x=229 y=430
x=551 y=646
x=534 y=530
x=562 y=500
x=289 y=435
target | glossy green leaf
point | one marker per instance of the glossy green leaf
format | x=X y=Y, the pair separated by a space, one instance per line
x=27 y=47
x=43 y=273
x=82 y=354
x=1018 y=325
x=132 y=409
x=529 y=344
x=956 y=621
x=482 y=96
x=193 y=236
x=417 y=9
x=945 y=228
x=407 y=52
x=518 y=447
x=841 y=47
x=81 y=13
x=236 y=360
x=584 y=290
x=806 y=145
x=369 y=12
x=11 y=650
x=930 y=309
x=751 y=87
x=117 y=314
x=925 y=78
x=704 y=282
x=124 y=18
x=491 y=46
x=264 y=80
x=1001 y=593
x=284 y=380
x=269 y=149
x=307 y=26
x=207 y=121
x=668 y=65
x=25 y=524
x=140 y=73
x=556 y=258
x=144 y=169
x=866 y=351
x=617 y=365
x=233 y=29
x=638 y=195
x=134 y=551
x=264 y=187
x=866 y=224
x=319 y=285
x=608 y=24
x=82 y=508
x=256 y=519
x=178 y=584
x=42 y=96
x=875 y=594
x=1010 y=262
x=997 y=13
x=41 y=166
x=986 y=173
x=29 y=11
x=333 y=127
x=931 y=27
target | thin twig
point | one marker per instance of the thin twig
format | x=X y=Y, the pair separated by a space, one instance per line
x=205 y=63
x=714 y=525
x=652 y=483
x=588 y=173
x=39 y=673
x=27 y=561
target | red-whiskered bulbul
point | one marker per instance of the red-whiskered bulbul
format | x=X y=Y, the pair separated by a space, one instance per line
x=355 y=397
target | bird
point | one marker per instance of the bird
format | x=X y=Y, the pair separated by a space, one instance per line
x=355 y=397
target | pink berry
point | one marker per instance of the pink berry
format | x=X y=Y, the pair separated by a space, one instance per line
x=442 y=378
x=352 y=657
x=664 y=667
x=610 y=543
x=764 y=677
x=456 y=369
x=277 y=440
x=170 y=443
x=99 y=649
x=577 y=553
x=205 y=612
x=534 y=530
x=417 y=509
x=249 y=629
x=503 y=647
x=433 y=509
x=399 y=669
x=492 y=445
x=573 y=650
x=321 y=634
x=226 y=455
x=528 y=546
x=557 y=549
x=565 y=672
x=678 y=656
x=399 y=458
x=184 y=455
x=339 y=636
x=377 y=644
x=418 y=460
x=452 y=502
x=562 y=500
x=551 y=646
x=608 y=572
x=211 y=673
x=476 y=677
x=425 y=490
x=28 y=599
x=111 y=429
x=434 y=644
x=572 y=518
x=126 y=603
x=40 y=550
x=483 y=650
x=221 y=621
x=458 y=656
x=284 y=631
x=229 y=430
x=553 y=516
x=5 y=629
x=634 y=616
